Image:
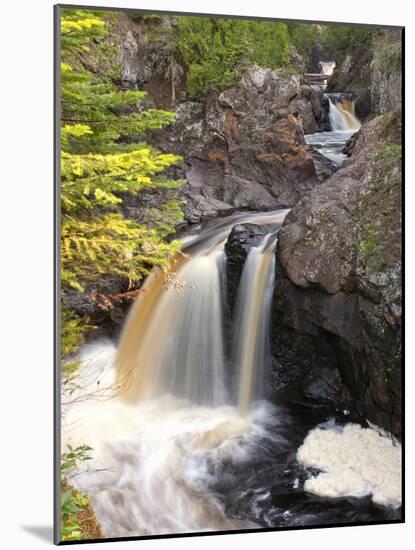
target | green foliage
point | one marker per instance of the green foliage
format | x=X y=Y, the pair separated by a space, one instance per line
x=73 y=328
x=391 y=153
x=70 y=528
x=104 y=156
x=387 y=51
x=370 y=248
x=216 y=50
x=73 y=502
x=73 y=457
x=340 y=38
x=303 y=36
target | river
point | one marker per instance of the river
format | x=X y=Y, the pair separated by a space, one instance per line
x=178 y=447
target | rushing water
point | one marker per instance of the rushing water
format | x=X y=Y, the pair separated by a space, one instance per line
x=252 y=321
x=344 y=124
x=327 y=67
x=178 y=447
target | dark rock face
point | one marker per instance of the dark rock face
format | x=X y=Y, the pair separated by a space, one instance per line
x=323 y=165
x=337 y=318
x=308 y=105
x=241 y=239
x=319 y=54
x=386 y=71
x=374 y=76
x=104 y=303
x=352 y=76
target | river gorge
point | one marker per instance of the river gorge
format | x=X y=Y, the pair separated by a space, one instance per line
x=255 y=383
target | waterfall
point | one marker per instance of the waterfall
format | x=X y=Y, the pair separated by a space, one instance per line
x=192 y=360
x=342 y=115
x=172 y=341
x=252 y=321
x=171 y=451
x=327 y=67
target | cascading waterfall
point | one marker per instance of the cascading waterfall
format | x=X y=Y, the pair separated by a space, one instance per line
x=342 y=115
x=163 y=414
x=192 y=359
x=252 y=321
x=175 y=446
x=344 y=124
x=173 y=338
x=327 y=67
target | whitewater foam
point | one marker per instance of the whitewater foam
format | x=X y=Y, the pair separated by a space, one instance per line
x=154 y=461
x=354 y=461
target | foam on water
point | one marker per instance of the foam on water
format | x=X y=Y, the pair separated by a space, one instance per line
x=354 y=461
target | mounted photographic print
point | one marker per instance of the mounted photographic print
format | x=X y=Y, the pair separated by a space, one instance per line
x=228 y=274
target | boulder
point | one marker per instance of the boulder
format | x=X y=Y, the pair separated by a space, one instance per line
x=337 y=304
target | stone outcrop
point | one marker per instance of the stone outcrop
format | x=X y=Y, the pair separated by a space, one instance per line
x=373 y=76
x=337 y=317
x=245 y=146
x=386 y=72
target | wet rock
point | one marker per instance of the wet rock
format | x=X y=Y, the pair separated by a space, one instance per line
x=350 y=143
x=338 y=295
x=199 y=208
x=324 y=166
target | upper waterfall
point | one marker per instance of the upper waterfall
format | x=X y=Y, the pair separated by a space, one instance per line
x=342 y=114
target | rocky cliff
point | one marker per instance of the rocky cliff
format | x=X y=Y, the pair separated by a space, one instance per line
x=337 y=306
x=352 y=76
x=373 y=75
x=243 y=147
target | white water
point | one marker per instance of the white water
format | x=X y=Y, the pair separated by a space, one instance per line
x=327 y=67
x=252 y=322
x=342 y=115
x=344 y=124
x=152 y=461
x=192 y=358
x=173 y=339
x=157 y=412
x=355 y=461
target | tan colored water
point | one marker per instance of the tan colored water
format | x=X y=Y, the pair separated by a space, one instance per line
x=141 y=339
x=251 y=328
x=342 y=115
x=172 y=341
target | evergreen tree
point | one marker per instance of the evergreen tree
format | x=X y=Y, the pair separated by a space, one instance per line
x=216 y=50
x=303 y=36
x=340 y=38
x=103 y=154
